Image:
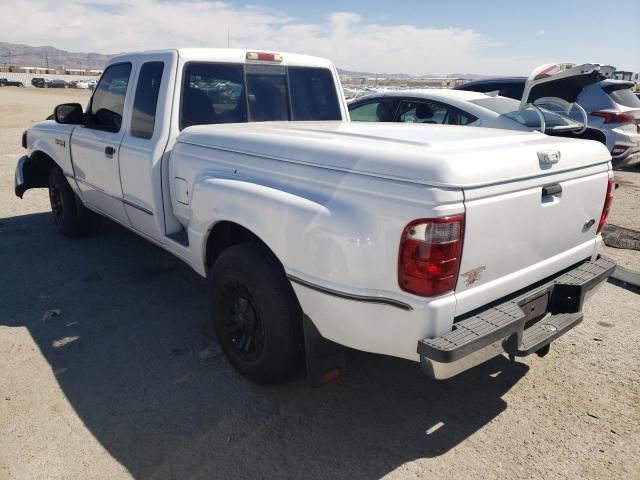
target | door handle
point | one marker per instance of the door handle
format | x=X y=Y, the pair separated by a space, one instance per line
x=551 y=189
x=109 y=151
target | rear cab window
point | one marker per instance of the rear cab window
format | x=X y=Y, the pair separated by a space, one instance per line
x=214 y=93
x=267 y=95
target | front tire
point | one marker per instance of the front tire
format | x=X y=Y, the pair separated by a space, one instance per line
x=73 y=219
x=256 y=315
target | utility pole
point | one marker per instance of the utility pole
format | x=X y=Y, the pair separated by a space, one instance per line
x=7 y=58
x=228 y=36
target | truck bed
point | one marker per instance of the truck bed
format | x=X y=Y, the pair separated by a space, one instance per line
x=436 y=155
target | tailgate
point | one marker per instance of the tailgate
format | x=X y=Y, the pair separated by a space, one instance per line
x=519 y=233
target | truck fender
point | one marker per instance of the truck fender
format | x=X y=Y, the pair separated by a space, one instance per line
x=270 y=214
x=33 y=172
x=240 y=203
x=46 y=150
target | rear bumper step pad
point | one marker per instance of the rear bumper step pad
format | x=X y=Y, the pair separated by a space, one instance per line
x=519 y=326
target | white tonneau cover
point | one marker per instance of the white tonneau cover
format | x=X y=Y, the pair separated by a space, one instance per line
x=438 y=155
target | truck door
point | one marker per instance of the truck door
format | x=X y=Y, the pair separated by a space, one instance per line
x=95 y=145
x=145 y=141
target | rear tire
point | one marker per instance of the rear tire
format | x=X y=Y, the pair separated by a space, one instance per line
x=256 y=315
x=73 y=219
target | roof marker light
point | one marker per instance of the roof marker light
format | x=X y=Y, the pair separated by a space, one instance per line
x=264 y=56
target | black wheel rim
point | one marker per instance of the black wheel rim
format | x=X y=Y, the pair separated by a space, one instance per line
x=241 y=324
x=57 y=207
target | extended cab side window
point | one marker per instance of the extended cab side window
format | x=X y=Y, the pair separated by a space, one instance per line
x=380 y=111
x=145 y=103
x=107 y=103
x=212 y=93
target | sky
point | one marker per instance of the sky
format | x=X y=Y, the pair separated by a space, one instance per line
x=405 y=36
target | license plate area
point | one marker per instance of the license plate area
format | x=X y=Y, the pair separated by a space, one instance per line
x=535 y=307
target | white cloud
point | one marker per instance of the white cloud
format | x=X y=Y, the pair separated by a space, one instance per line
x=111 y=26
x=540 y=33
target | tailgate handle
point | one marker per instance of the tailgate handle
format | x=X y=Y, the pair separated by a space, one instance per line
x=554 y=189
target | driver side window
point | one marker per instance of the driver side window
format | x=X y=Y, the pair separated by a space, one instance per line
x=107 y=103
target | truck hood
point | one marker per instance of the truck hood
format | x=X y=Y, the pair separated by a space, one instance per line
x=437 y=155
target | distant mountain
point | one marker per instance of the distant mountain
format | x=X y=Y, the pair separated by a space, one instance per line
x=26 y=56
x=20 y=55
x=472 y=76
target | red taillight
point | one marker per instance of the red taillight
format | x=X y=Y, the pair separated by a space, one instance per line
x=619 y=149
x=607 y=203
x=614 y=117
x=429 y=258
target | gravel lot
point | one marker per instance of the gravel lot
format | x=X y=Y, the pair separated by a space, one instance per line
x=113 y=387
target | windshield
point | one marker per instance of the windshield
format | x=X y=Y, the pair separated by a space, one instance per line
x=234 y=93
x=508 y=107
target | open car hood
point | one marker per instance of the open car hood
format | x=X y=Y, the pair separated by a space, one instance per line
x=564 y=81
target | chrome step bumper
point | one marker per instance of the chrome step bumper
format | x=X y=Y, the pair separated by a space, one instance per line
x=519 y=326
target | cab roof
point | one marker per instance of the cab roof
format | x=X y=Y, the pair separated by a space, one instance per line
x=230 y=55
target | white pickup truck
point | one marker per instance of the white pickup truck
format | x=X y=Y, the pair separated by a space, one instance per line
x=440 y=244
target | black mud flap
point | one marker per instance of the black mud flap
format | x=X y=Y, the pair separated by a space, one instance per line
x=326 y=360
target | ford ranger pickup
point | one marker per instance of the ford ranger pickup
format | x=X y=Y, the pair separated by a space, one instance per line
x=443 y=245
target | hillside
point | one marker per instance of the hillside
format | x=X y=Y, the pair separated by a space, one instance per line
x=28 y=56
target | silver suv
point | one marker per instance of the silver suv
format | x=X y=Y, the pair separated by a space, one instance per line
x=615 y=111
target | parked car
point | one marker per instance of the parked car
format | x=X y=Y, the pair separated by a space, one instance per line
x=10 y=83
x=613 y=112
x=82 y=84
x=439 y=244
x=56 y=84
x=38 y=82
x=451 y=107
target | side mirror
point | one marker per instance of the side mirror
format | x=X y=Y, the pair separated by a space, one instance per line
x=107 y=119
x=69 y=113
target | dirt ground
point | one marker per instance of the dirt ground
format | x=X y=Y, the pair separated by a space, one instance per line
x=113 y=387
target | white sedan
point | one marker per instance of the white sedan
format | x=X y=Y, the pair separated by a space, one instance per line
x=456 y=107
